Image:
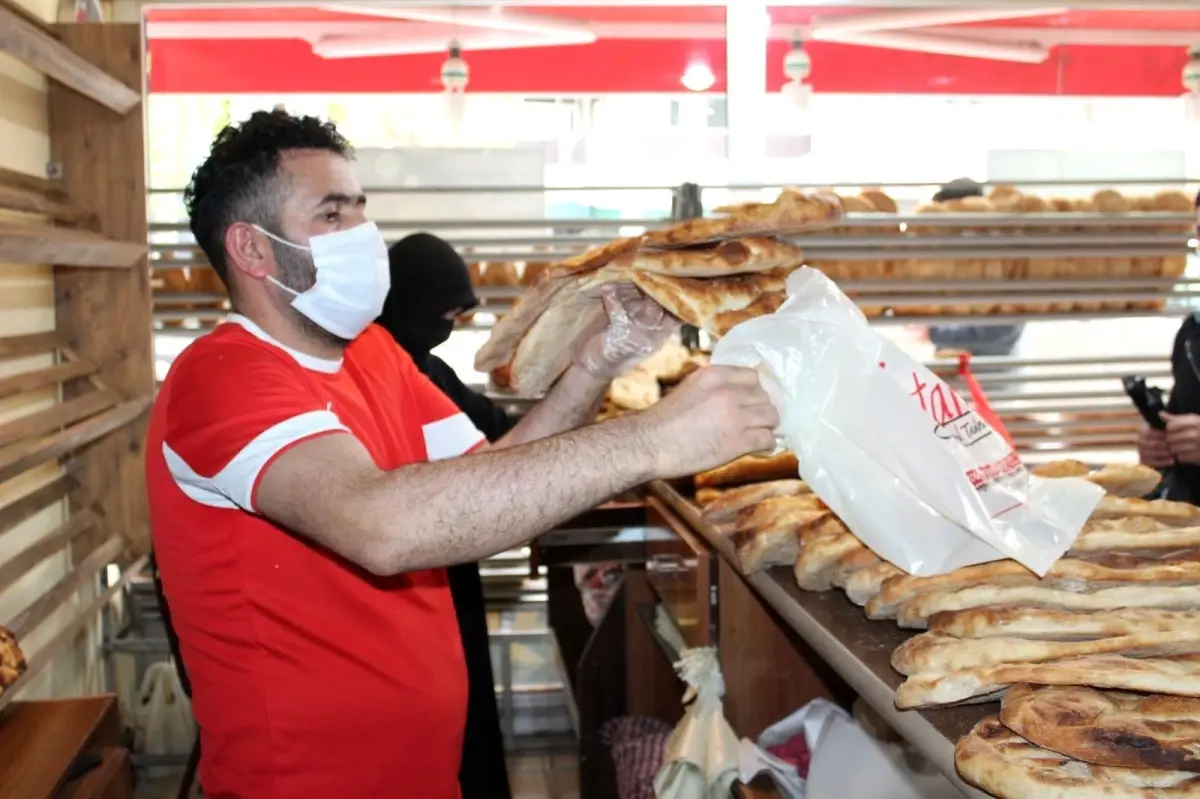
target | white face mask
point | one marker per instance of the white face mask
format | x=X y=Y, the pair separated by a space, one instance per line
x=353 y=279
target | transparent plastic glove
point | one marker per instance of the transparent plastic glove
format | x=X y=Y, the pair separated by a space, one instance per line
x=637 y=328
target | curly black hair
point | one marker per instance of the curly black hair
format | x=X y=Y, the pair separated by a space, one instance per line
x=238 y=182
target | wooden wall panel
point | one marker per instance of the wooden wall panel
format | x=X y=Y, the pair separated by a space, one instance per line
x=26 y=307
x=106 y=315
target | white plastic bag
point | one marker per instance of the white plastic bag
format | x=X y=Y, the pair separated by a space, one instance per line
x=916 y=474
x=701 y=758
x=164 y=723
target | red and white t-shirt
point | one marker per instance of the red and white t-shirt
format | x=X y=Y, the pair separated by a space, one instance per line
x=311 y=677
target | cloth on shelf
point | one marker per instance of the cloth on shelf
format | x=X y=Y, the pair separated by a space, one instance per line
x=637 y=744
x=702 y=753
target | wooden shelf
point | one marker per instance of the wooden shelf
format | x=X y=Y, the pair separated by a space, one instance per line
x=31 y=195
x=36 y=45
x=25 y=455
x=42 y=244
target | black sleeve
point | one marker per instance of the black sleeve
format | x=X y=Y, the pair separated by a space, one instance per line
x=1185 y=395
x=491 y=420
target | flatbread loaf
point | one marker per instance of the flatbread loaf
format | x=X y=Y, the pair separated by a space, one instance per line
x=1068 y=573
x=792 y=212
x=819 y=557
x=915 y=614
x=717 y=304
x=1176 y=514
x=1107 y=728
x=1063 y=468
x=996 y=760
x=778 y=510
x=722 y=506
x=750 y=469
x=727 y=258
x=1151 y=543
x=1060 y=625
x=780 y=543
x=546 y=350
x=930 y=652
x=862 y=586
x=594 y=257
x=1179 y=677
x=851 y=563
x=1126 y=479
x=1131 y=524
x=508 y=331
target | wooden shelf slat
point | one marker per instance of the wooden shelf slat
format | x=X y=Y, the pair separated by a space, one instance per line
x=37 y=47
x=41 y=244
x=21 y=457
x=44 y=606
x=34 y=502
x=13 y=198
x=24 y=382
x=63 y=638
x=62 y=414
x=15 y=567
x=31 y=344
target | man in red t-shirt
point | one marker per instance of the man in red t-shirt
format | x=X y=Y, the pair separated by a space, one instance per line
x=307 y=490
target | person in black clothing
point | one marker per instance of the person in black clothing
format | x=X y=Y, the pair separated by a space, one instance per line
x=430 y=288
x=1177 y=448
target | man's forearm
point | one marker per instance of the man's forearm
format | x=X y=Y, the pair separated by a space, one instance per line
x=573 y=401
x=470 y=508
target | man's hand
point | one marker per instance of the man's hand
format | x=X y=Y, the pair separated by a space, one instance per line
x=1183 y=437
x=637 y=327
x=1152 y=447
x=716 y=415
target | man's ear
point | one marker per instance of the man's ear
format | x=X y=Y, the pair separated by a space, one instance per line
x=249 y=251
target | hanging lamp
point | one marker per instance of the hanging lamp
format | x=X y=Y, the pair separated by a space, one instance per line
x=1191 y=84
x=797 y=67
x=455 y=75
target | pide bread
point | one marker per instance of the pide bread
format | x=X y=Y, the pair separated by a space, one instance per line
x=727 y=258
x=915 y=613
x=1047 y=624
x=1068 y=573
x=793 y=212
x=750 y=469
x=1152 y=543
x=1107 y=728
x=930 y=652
x=863 y=585
x=1178 y=676
x=1126 y=479
x=819 y=557
x=1000 y=762
x=1176 y=514
x=717 y=304
x=721 y=506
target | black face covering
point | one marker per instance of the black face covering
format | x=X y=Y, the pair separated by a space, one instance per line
x=429 y=279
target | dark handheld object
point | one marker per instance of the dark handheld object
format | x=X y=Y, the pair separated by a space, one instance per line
x=1149 y=402
x=1147 y=399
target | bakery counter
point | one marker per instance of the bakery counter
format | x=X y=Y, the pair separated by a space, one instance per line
x=836 y=632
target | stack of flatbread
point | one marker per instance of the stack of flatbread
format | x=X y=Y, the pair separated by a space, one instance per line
x=1111 y=634
x=711 y=273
